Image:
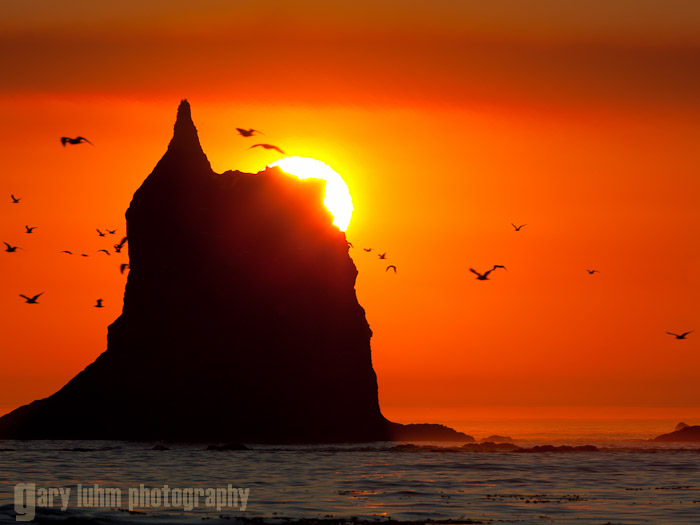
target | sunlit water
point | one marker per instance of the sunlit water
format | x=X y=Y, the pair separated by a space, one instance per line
x=625 y=482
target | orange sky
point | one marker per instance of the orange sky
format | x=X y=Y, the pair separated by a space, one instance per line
x=448 y=121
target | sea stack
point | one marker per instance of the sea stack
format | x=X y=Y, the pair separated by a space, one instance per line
x=240 y=320
x=680 y=435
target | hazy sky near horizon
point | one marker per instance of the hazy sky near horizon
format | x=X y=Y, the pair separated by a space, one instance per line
x=448 y=120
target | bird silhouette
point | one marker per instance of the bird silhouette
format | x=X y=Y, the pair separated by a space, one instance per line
x=66 y=251
x=123 y=267
x=11 y=248
x=103 y=250
x=15 y=200
x=268 y=146
x=382 y=255
x=591 y=272
x=76 y=140
x=390 y=266
x=101 y=234
x=248 y=132
x=84 y=255
x=118 y=247
x=30 y=230
x=31 y=300
x=517 y=228
x=485 y=275
x=681 y=336
x=111 y=232
x=99 y=304
x=367 y=249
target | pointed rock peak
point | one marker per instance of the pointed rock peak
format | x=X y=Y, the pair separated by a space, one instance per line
x=184 y=116
x=185 y=140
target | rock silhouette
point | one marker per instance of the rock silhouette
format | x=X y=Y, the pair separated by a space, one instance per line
x=495 y=438
x=240 y=320
x=684 y=434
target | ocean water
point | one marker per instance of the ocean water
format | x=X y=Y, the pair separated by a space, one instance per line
x=627 y=481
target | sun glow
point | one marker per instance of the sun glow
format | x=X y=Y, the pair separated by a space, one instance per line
x=337 y=200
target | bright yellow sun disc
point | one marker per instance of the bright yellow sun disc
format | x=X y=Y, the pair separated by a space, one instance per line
x=337 y=200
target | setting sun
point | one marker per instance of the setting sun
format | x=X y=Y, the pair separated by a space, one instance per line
x=338 y=200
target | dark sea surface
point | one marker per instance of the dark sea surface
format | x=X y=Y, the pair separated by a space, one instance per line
x=627 y=481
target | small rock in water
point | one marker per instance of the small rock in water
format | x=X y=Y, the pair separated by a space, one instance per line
x=497 y=439
x=490 y=446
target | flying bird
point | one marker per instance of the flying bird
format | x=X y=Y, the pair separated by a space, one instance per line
x=681 y=336
x=30 y=230
x=15 y=200
x=101 y=234
x=84 y=255
x=367 y=249
x=382 y=255
x=66 y=251
x=11 y=248
x=76 y=140
x=123 y=267
x=31 y=300
x=248 y=132
x=485 y=275
x=103 y=250
x=268 y=146
x=591 y=272
x=517 y=228
x=118 y=247
x=99 y=304
x=111 y=232
x=390 y=266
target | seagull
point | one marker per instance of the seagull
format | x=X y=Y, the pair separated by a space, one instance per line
x=99 y=304
x=382 y=255
x=123 y=267
x=76 y=140
x=11 y=248
x=118 y=247
x=591 y=272
x=15 y=200
x=31 y=300
x=104 y=251
x=485 y=275
x=84 y=255
x=248 y=132
x=268 y=146
x=66 y=251
x=517 y=228
x=111 y=232
x=367 y=249
x=390 y=266
x=681 y=336
x=101 y=234
x=30 y=230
